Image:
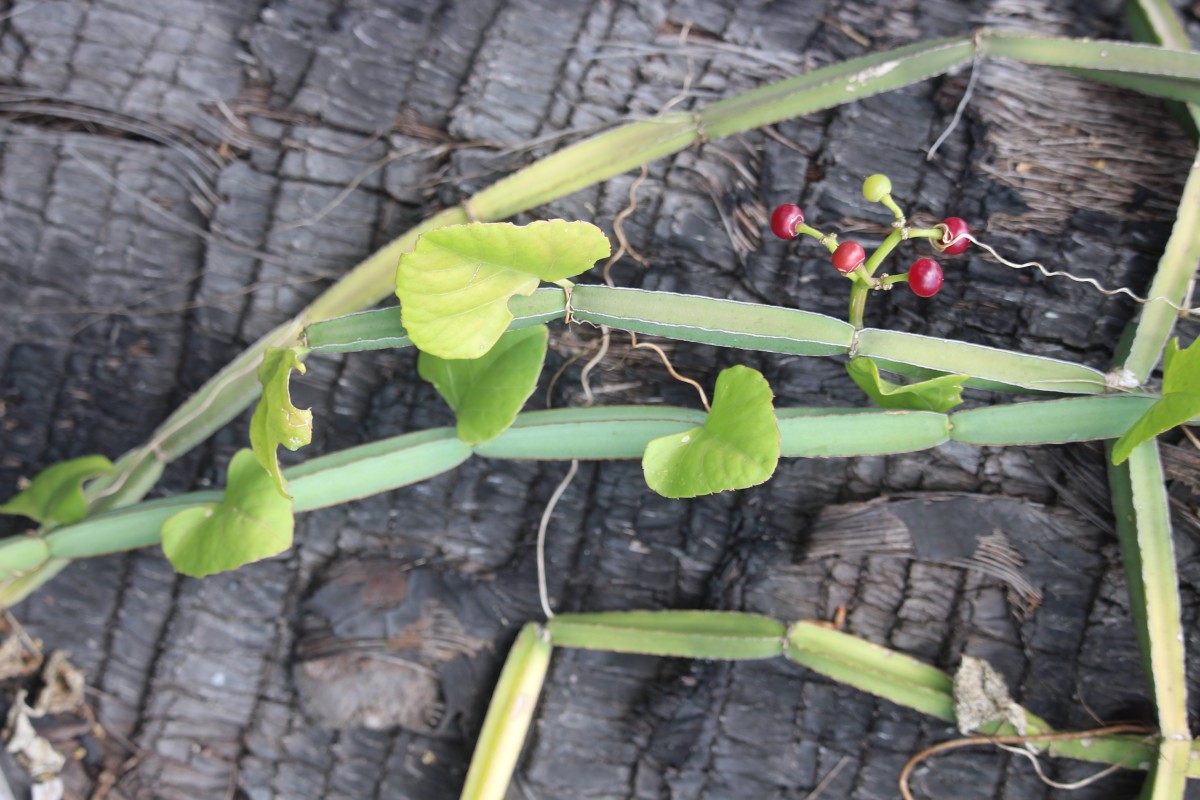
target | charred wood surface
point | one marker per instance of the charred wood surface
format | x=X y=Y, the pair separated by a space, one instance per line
x=178 y=177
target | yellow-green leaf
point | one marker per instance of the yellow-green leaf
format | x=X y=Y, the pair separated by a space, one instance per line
x=1181 y=368
x=252 y=522
x=454 y=287
x=1180 y=400
x=276 y=421
x=936 y=394
x=487 y=392
x=55 y=495
x=737 y=447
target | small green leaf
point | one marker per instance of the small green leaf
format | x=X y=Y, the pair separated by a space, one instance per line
x=276 y=421
x=1179 y=403
x=1181 y=368
x=738 y=445
x=454 y=287
x=251 y=523
x=936 y=394
x=1166 y=413
x=55 y=495
x=487 y=392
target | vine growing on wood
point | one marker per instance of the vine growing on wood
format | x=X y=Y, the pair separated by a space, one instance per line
x=472 y=300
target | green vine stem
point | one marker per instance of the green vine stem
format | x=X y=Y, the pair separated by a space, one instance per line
x=1139 y=498
x=858 y=303
x=1139 y=495
x=508 y=716
x=1147 y=552
x=748 y=326
x=605 y=432
x=1155 y=71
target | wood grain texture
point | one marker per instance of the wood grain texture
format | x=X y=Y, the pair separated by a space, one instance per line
x=177 y=178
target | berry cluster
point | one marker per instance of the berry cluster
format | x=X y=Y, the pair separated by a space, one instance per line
x=924 y=276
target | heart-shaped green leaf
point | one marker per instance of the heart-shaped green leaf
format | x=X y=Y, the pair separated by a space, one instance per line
x=487 y=392
x=738 y=445
x=253 y=521
x=55 y=495
x=276 y=421
x=454 y=287
x=1180 y=400
x=936 y=394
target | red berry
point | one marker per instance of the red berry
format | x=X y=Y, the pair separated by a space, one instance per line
x=954 y=236
x=925 y=277
x=848 y=256
x=785 y=219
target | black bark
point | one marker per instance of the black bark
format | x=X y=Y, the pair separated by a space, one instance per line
x=177 y=178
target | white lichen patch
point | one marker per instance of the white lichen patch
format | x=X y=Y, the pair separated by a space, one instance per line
x=981 y=696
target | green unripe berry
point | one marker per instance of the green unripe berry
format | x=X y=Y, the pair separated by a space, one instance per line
x=877 y=187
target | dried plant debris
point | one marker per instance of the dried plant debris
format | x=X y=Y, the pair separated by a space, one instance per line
x=996 y=556
x=851 y=529
x=62 y=686
x=981 y=696
x=19 y=657
x=1082 y=483
x=1181 y=464
x=731 y=179
x=34 y=751
x=60 y=690
x=1078 y=476
x=1064 y=143
x=951 y=529
x=47 y=790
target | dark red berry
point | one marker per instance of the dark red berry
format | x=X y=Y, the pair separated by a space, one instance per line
x=925 y=277
x=954 y=236
x=848 y=256
x=785 y=219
